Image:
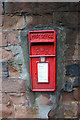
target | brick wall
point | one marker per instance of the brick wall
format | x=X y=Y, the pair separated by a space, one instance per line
x=18 y=101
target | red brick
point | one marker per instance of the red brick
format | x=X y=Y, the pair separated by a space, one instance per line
x=13 y=73
x=5 y=55
x=12 y=37
x=12 y=22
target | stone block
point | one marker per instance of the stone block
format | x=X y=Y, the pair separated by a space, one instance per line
x=44 y=99
x=66 y=19
x=76 y=93
x=0 y=69
x=13 y=85
x=39 y=7
x=12 y=72
x=0 y=22
x=12 y=37
x=5 y=55
x=0 y=54
x=78 y=51
x=4 y=38
x=70 y=62
x=16 y=50
x=72 y=37
x=69 y=83
x=78 y=36
x=18 y=100
x=76 y=82
x=0 y=38
x=8 y=37
x=70 y=109
x=67 y=97
x=69 y=52
x=1 y=8
x=72 y=70
x=7 y=111
x=0 y=110
x=38 y=20
x=0 y=83
x=20 y=112
x=20 y=7
x=51 y=114
x=12 y=22
x=32 y=112
x=76 y=55
x=16 y=94
x=0 y=98
x=78 y=110
x=57 y=113
x=6 y=99
x=53 y=6
x=5 y=69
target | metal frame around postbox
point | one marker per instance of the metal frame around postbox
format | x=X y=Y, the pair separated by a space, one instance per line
x=34 y=56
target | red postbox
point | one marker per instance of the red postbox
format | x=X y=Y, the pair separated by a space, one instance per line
x=42 y=58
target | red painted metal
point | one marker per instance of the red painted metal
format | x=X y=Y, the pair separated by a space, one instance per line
x=42 y=44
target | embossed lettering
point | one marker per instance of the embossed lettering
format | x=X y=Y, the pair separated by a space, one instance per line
x=36 y=36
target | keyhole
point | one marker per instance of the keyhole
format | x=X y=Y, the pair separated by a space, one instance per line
x=35 y=73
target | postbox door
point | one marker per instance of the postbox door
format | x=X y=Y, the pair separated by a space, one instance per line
x=47 y=83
